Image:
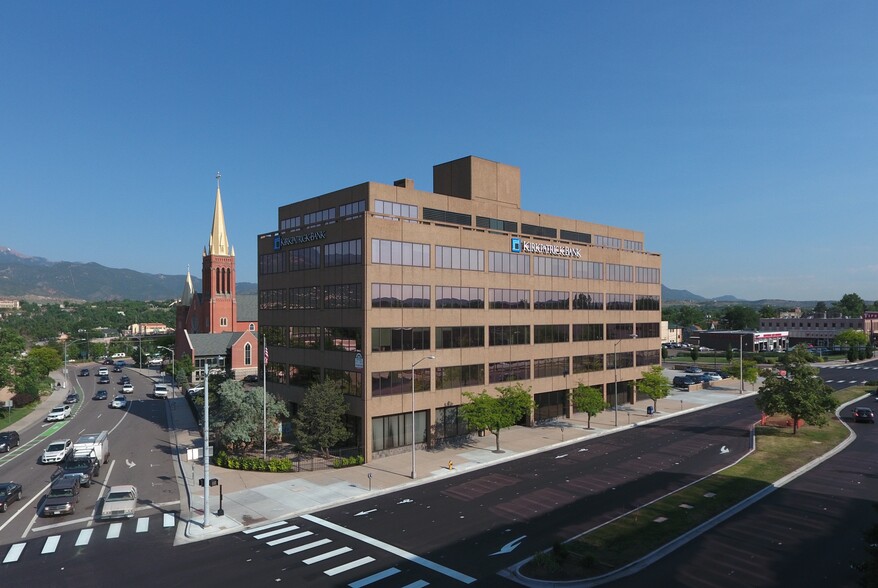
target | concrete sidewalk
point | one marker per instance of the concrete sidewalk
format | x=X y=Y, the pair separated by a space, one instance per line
x=252 y=498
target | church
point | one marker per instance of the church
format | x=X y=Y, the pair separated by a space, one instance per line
x=217 y=328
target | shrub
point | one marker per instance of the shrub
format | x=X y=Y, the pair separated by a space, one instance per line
x=588 y=561
x=546 y=561
x=560 y=551
x=252 y=464
x=345 y=462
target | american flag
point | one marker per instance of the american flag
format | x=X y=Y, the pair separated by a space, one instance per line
x=265 y=354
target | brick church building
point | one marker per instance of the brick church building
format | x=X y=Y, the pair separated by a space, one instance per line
x=217 y=327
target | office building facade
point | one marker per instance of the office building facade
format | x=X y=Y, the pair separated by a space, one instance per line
x=365 y=284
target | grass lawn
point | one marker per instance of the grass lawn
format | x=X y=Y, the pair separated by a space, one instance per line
x=627 y=539
x=8 y=418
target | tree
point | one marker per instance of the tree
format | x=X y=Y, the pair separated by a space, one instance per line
x=730 y=355
x=767 y=311
x=239 y=421
x=751 y=370
x=851 y=338
x=319 y=425
x=589 y=400
x=654 y=384
x=694 y=353
x=45 y=359
x=851 y=305
x=495 y=413
x=819 y=308
x=800 y=393
x=183 y=368
x=740 y=317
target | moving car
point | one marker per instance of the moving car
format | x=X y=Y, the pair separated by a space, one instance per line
x=117 y=368
x=9 y=493
x=84 y=467
x=124 y=380
x=160 y=391
x=119 y=402
x=100 y=395
x=9 y=440
x=119 y=503
x=59 y=413
x=62 y=497
x=57 y=451
x=72 y=398
x=128 y=388
x=103 y=371
x=84 y=372
x=861 y=413
x=104 y=380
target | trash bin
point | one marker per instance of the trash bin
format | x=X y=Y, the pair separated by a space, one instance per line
x=649 y=410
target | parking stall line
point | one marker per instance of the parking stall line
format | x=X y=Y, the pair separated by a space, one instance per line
x=327 y=555
x=142 y=525
x=349 y=566
x=84 y=537
x=51 y=544
x=14 y=553
x=374 y=578
x=307 y=546
x=274 y=542
x=114 y=530
x=276 y=532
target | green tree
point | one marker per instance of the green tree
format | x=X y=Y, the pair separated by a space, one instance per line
x=750 y=372
x=768 y=311
x=589 y=400
x=46 y=359
x=239 y=421
x=800 y=393
x=730 y=355
x=495 y=413
x=319 y=424
x=685 y=315
x=694 y=353
x=654 y=384
x=851 y=305
x=184 y=369
x=740 y=317
x=851 y=338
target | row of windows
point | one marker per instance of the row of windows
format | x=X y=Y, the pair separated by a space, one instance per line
x=400 y=253
x=343 y=253
x=318 y=218
x=396 y=209
x=308 y=297
x=459 y=258
x=312 y=337
x=351 y=209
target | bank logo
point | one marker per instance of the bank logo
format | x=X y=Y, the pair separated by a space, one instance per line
x=277 y=242
x=516 y=245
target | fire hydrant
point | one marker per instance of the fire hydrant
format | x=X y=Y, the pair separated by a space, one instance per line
x=450 y=465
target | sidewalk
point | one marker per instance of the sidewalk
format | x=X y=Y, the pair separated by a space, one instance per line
x=252 y=498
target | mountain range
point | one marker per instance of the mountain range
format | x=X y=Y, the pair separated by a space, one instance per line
x=36 y=278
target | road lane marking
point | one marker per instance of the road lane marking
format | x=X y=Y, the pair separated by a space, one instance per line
x=51 y=544
x=327 y=555
x=274 y=542
x=374 y=578
x=349 y=566
x=14 y=553
x=394 y=550
x=307 y=546
x=83 y=538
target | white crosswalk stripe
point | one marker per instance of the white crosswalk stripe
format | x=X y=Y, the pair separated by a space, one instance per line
x=349 y=566
x=142 y=525
x=51 y=544
x=374 y=578
x=14 y=553
x=84 y=537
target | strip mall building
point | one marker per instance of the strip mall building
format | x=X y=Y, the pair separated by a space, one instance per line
x=365 y=284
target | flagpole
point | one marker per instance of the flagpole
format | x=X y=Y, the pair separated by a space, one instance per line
x=264 y=396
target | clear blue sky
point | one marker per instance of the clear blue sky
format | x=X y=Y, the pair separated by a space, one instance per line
x=740 y=137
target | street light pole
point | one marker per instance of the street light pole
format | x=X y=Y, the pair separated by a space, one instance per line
x=414 y=474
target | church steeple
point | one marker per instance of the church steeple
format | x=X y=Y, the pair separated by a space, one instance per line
x=188 y=290
x=219 y=240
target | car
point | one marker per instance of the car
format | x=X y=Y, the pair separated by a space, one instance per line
x=84 y=467
x=62 y=497
x=160 y=391
x=712 y=377
x=100 y=395
x=84 y=372
x=685 y=381
x=117 y=368
x=693 y=369
x=104 y=380
x=251 y=378
x=127 y=388
x=119 y=503
x=125 y=380
x=117 y=355
x=119 y=402
x=103 y=372
x=9 y=440
x=9 y=493
x=863 y=414
x=196 y=391
x=107 y=361
x=59 y=413
x=72 y=398
x=56 y=451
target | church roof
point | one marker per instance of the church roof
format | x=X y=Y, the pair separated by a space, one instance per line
x=205 y=344
x=248 y=307
x=219 y=239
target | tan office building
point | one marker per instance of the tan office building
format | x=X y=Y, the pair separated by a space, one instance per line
x=364 y=284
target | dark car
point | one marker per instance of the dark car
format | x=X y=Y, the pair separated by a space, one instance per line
x=84 y=372
x=62 y=497
x=9 y=493
x=693 y=369
x=84 y=467
x=9 y=440
x=863 y=414
x=117 y=368
x=124 y=380
x=685 y=381
x=104 y=380
x=72 y=398
x=100 y=395
x=252 y=378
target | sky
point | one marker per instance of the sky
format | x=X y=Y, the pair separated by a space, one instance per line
x=739 y=137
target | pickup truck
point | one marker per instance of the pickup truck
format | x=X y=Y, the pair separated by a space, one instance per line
x=160 y=391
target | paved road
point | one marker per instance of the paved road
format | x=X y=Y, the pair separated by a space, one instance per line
x=842 y=376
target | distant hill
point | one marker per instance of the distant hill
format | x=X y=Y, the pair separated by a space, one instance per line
x=25 y=277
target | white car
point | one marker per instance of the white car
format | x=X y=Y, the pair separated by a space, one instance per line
x=119 y=503
x=119 y=402
x=103 y=372
x=196 y=391
x=160 y=391
x=712 y=376
x=127 y=388
x=57 y=451
x=59 y=413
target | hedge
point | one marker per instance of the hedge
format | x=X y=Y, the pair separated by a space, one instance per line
x=253 y=464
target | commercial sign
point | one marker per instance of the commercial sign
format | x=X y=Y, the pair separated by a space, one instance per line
x=522 y=246
x=280 y=242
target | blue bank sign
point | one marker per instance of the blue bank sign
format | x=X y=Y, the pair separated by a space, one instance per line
x=522 y=246
x=280 y=242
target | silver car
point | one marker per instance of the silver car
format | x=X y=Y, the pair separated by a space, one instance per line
x=119 y=503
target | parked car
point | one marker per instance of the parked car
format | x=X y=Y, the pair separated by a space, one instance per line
x=119 y=402
x=9 y=493
x=62 y=497
x=712 y=377
x=693 y=369
x=863 y=414
x=685 y=381
x=84 y=467
x=128 y=388
x=57 y=451
x=119 y=503
x=84 y=372
x=9 y=440
x=196 y=391
x=72 y=398
x=59 y=413
x=251 y=378
x=100 y=395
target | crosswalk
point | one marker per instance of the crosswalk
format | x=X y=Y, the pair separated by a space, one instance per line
x=855 y=368
x=84 y=537
x=357 y=560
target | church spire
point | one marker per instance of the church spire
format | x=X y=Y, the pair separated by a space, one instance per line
x=188 y=290
x=219 y=240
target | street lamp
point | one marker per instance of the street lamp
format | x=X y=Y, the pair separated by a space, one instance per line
x=207 y=442
x=414 y=474
x=173 y=365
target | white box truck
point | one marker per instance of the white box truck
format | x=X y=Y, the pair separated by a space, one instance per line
x=97 y=444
